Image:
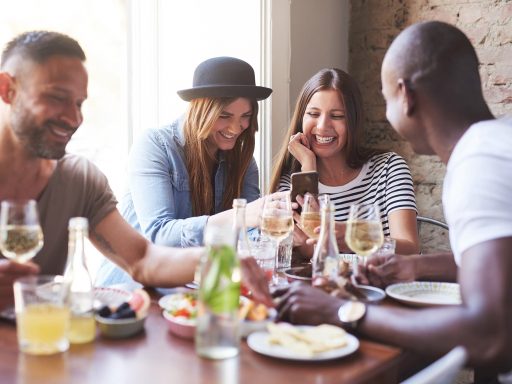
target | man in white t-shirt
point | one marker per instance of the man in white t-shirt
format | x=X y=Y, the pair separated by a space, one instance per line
x=434 y=99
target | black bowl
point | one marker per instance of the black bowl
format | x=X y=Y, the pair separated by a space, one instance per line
x=302 y=273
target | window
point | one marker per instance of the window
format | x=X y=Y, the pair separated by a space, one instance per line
x=168 y=39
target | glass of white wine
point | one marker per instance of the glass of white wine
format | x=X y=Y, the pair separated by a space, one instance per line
x=21 y=236
x=277 y=219
x=310 y=216
x=364 y=233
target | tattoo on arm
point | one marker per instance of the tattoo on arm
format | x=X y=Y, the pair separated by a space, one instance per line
x=102 y=243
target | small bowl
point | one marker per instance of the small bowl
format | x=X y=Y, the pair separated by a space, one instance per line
x=180 y=326
x=373 y=294
x=302 y=274
x=120 y=328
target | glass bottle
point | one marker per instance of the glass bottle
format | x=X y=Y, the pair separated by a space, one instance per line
x=325 y=256
x=81 y=295
x=243 y=247
x=217 y=330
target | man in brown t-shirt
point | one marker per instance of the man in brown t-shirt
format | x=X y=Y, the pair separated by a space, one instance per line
x=43 y=83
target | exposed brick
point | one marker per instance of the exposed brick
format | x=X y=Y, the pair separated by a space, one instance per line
x=470 y=15
x=374 y=24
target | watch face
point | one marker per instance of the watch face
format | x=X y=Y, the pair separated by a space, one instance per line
x=351 y=311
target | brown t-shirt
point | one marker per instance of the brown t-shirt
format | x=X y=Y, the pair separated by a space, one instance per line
x=76 y=188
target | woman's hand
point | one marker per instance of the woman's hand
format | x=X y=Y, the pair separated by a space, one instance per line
x=300 y=149
x=339 y=231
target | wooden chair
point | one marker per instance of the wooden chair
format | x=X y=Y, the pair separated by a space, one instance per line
x=443 y=370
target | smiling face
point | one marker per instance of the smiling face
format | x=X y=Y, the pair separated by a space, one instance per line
x=324 y=124
x=232 y=121
x=46 y=107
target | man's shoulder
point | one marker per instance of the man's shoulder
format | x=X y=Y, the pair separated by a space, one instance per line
x=486 y=138
x=76 y=167
x=73 y=162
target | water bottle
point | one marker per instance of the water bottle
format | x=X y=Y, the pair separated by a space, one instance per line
x=81 y=295
x=325 y=256
x=217 y=330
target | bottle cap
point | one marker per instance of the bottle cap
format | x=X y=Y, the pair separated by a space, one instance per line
x=79 y=223
x=239 y=203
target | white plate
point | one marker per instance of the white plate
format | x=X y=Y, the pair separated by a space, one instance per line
x=111 y=296
x=258 y=342
x=425 y=293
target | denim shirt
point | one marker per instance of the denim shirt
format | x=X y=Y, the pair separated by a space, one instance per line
x=158 y=202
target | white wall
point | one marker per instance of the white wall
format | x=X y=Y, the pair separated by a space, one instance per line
x=307 y=35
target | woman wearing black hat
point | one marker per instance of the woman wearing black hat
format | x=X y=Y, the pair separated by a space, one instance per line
x=184 y=174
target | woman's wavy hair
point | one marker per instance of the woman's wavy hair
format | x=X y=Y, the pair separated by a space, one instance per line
x=200 y=118
x=350 y=94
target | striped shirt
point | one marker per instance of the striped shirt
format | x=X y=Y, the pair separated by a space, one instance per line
x=385 y=180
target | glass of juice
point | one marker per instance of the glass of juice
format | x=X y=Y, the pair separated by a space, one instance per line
x=42 y=317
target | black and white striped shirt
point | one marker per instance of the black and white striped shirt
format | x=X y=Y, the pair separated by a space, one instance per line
x=385 y=179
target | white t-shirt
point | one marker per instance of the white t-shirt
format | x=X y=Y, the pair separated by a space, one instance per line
x=477 y=189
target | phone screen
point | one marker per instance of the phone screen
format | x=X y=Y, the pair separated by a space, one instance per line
x=303 y=182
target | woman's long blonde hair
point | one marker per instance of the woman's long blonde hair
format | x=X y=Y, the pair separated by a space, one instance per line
x=201 y=116
x=346 y=86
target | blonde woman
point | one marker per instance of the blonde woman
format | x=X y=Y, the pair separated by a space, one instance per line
x=188 y=173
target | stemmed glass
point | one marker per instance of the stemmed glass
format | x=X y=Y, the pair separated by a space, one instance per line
x=364 y=233
x=310 y=216
x=277 y=219
x=21 y=236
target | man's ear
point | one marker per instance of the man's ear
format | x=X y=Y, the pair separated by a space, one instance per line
x=7 y=90
x=407 y=96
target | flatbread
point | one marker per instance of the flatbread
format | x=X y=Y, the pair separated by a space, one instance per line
x=307 y=341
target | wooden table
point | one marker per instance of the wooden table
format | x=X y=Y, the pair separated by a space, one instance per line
x=156 y=356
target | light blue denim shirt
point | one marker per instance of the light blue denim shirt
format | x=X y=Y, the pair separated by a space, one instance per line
x=158 y=201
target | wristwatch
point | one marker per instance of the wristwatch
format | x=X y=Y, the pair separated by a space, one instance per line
x=351 y=313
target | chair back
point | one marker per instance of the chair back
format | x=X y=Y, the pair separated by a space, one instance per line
x=441 y=371
x=433 y=235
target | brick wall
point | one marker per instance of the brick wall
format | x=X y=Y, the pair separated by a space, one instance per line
x=374 y=24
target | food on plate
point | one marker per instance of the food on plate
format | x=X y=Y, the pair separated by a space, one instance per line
x=183 y=305
x=136 y=307
x=252 y=311
x=307 y=341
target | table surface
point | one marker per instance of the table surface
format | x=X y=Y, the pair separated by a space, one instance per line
x=156 y=355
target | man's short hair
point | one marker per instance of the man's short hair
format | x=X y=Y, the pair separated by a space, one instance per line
x=38 y=46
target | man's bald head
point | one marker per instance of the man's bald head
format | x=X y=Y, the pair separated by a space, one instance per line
x=438 y=59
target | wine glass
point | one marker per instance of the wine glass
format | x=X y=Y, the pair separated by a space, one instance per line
x=310 y=216
x=364 y=233
x=277 y=219
x=21 y=236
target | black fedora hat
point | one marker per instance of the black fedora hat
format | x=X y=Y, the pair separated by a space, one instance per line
x=224 y=77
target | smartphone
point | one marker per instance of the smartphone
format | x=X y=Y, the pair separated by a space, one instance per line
x=303 y=182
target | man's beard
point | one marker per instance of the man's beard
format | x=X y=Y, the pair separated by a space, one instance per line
x=33 y=136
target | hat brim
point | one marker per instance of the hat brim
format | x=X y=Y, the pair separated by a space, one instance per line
x=249 y=91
